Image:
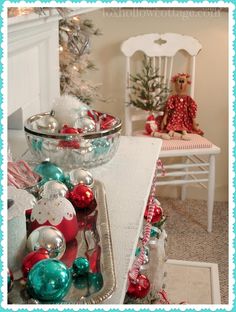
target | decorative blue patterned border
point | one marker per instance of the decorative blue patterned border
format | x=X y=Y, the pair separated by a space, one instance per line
x=3 y=143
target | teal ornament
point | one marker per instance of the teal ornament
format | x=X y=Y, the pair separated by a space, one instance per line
x=95 y=282
x=68 y=182
x=37 y=144
x=154 y=231
x=49 y=281
x=80 y=266
x=137 y=251
x=49 y=171
x=101 y=146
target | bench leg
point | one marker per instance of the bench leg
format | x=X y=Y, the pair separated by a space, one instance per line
x=211 y=191
x=184 y=186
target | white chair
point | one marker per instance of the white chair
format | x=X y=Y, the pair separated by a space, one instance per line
x=172 y=53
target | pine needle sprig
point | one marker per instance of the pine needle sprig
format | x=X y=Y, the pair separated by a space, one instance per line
x=148 y=90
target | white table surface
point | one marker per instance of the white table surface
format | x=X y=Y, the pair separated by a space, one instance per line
x=127 y=179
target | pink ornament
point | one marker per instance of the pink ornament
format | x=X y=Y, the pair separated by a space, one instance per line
x=57 y=212
x=139 y=288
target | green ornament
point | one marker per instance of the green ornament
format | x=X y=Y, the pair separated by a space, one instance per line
x=80 y=266
x=49 y=280
x=95 y=281
x=81 y=282
x=49 y=171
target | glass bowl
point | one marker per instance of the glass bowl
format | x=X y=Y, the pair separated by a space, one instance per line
x=72 y=150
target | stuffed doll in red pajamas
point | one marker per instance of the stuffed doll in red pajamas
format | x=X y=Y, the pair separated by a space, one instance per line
x=180 y=111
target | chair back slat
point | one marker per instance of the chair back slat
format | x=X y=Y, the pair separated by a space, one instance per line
x=165 y=69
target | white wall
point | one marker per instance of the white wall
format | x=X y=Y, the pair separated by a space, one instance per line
x=211 y=91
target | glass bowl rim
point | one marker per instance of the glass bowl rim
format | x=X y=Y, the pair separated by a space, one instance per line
x=91 y=135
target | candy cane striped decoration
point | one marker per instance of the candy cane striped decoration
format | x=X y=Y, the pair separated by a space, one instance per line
x=21 y=175
x=134 y=272
x=163 y=170
x=164 y=298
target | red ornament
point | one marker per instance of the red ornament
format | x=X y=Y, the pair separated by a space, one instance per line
x=157 y=215
x=67 y=129
x=107 y=121
x=81 y=196
x=94 y=115
x=70 y=143
x=139 y=288
x=31 y=259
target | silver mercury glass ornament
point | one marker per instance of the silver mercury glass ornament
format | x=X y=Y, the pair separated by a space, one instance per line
x=87 y=124
x=81 y=176
x=48 y=123
x=53 y=189
x=49 y=238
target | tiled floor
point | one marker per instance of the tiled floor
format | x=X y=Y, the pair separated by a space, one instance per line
x=191 y=284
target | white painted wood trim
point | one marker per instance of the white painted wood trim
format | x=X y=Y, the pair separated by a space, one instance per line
x=182 y=173
x=165 y=69
x=174 y=42
x=216 y=297
x=43 y=40
x=190 y=152
x=185 y=165
x=170 y=72
x=33 y=19
x=181 y=182
x=193 y=76
x=128 y=124
x=211 y=191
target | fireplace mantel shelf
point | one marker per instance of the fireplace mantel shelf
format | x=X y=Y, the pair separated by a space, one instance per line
x=28 y=20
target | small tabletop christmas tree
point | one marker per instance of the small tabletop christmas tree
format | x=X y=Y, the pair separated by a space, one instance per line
x=148 y=91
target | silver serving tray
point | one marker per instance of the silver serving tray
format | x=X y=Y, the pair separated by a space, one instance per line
x=94 y=234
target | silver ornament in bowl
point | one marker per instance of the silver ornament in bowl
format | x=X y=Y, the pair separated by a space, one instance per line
x=87 y=124
x=48 y=123
x=81 y=176
x=53 y=189
x=49 y=238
